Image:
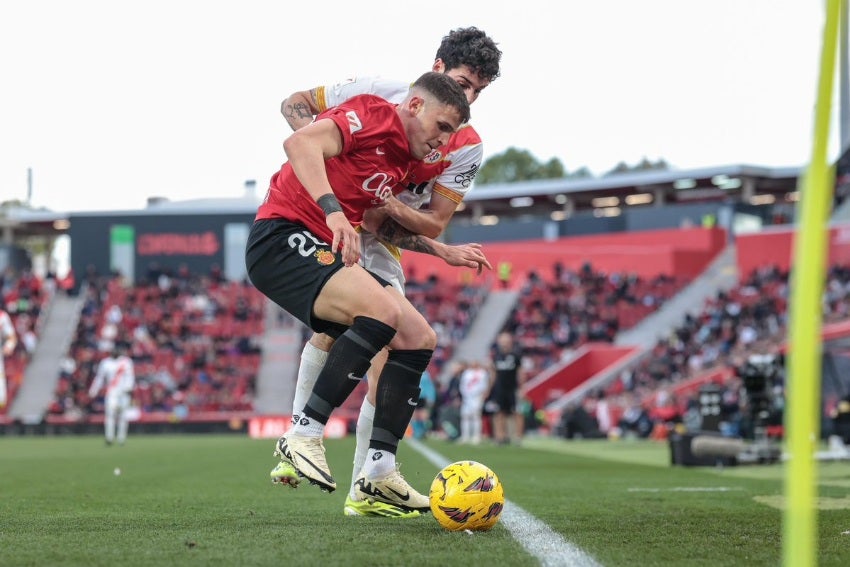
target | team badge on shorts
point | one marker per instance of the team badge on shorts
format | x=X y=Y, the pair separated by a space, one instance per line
x=325 y=257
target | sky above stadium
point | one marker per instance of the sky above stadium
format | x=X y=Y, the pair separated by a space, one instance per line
x=111 y=102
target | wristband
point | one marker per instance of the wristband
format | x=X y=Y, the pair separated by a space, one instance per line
x=329 y=204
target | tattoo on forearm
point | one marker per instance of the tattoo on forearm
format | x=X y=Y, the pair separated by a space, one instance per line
x=393 y=233
x=297 y=111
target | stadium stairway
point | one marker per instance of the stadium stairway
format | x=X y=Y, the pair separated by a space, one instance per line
x=720 y=275
x=841 y=212
x=42 y=372
x=492 y=315
x=281 y=345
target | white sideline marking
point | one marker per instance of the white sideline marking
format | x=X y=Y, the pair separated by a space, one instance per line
x=538 y=539
x=687 y=489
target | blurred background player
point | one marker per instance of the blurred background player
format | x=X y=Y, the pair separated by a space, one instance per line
x=9 y=340
x=507 y=365
x=116 y=374
x=475 y=384
x=472 y=59
x=422 y=416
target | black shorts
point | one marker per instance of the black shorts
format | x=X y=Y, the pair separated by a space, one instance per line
x=290 y=265
x=505 y=399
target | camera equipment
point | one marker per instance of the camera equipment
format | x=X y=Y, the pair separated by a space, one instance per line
x=760 y=374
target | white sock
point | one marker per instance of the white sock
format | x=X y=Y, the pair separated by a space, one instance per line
x=378 y=463
x=363 y=435
x=312 y=361
x=308 y=427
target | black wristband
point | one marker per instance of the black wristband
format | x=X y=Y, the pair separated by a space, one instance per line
x=329 y=204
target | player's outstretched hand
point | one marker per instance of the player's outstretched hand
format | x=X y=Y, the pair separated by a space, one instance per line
x=469 y=255
x=345 y=238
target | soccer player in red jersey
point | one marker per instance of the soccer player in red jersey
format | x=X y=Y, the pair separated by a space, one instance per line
x=302 y=253
x=433 y=189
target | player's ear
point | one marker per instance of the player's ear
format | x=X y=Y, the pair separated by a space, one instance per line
x=415 y=104
x=439 y=66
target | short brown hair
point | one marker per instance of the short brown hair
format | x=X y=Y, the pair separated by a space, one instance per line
x=446 y=90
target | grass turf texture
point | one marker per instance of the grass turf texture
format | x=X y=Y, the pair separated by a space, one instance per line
x=207 y=500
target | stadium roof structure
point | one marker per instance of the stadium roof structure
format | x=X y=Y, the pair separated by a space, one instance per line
x=739 y=182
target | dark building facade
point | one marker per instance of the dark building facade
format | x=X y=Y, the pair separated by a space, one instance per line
x=136 y=243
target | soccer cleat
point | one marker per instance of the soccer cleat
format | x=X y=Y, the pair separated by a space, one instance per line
x=376 y=509
x=285 y=473
x=391 y=489
x=307 y=455
x=281 y=450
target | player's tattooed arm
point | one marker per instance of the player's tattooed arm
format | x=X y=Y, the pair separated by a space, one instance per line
x=468 y=255
x=393 y=233
x=299 y=108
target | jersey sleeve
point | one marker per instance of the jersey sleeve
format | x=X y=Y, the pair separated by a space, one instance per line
x=455 y=181
x=362 y=121
x=334 y=95
x=97 y=383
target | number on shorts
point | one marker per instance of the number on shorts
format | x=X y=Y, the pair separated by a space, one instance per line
x=298 y=241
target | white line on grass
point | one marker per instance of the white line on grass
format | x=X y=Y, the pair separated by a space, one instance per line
x=538 y=539
x=687 y=489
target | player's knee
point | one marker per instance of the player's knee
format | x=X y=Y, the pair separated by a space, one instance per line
x=321 y=341
x=385 y=311
x=429 y=338
x=418 y=336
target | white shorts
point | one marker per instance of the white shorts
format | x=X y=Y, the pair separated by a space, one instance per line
x=116 y=403
x=375 y=257
x=472 y=408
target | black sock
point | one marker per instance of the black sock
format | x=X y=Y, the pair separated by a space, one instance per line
x=397 y=396
x=348 y=360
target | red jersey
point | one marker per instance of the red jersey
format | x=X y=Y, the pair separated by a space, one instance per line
x=375 y=156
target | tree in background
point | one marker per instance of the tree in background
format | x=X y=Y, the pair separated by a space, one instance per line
x=519 y=165
x=642 y=165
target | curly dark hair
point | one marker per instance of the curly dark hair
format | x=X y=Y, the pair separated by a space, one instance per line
x=470 y=46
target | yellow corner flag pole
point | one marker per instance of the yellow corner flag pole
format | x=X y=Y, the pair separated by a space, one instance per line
x=803 y=390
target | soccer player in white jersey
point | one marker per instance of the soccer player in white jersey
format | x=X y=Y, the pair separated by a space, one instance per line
x=9 y=340
x=116 y=374
x=441 y=181
x=475 y=384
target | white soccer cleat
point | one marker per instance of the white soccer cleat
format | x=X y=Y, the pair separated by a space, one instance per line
x=307 y=455
x=392 y=489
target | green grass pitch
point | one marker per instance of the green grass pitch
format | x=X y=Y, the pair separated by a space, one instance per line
x=207 y=500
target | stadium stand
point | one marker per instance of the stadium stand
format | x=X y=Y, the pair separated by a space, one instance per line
x=23 y=296
x=193 y=340
x=707 y=347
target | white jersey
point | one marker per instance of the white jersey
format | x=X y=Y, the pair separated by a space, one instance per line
x=116 y=375
x=474 y=385
x=447 y=171
x=8 y=341
x=8 y=338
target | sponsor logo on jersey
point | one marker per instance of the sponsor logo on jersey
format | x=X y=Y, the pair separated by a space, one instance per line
x=465 y=178
x=354 y=124
x=379 y=184
x=325 y=257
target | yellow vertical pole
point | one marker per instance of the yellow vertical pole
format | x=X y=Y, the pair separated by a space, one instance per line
x=807 y=284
